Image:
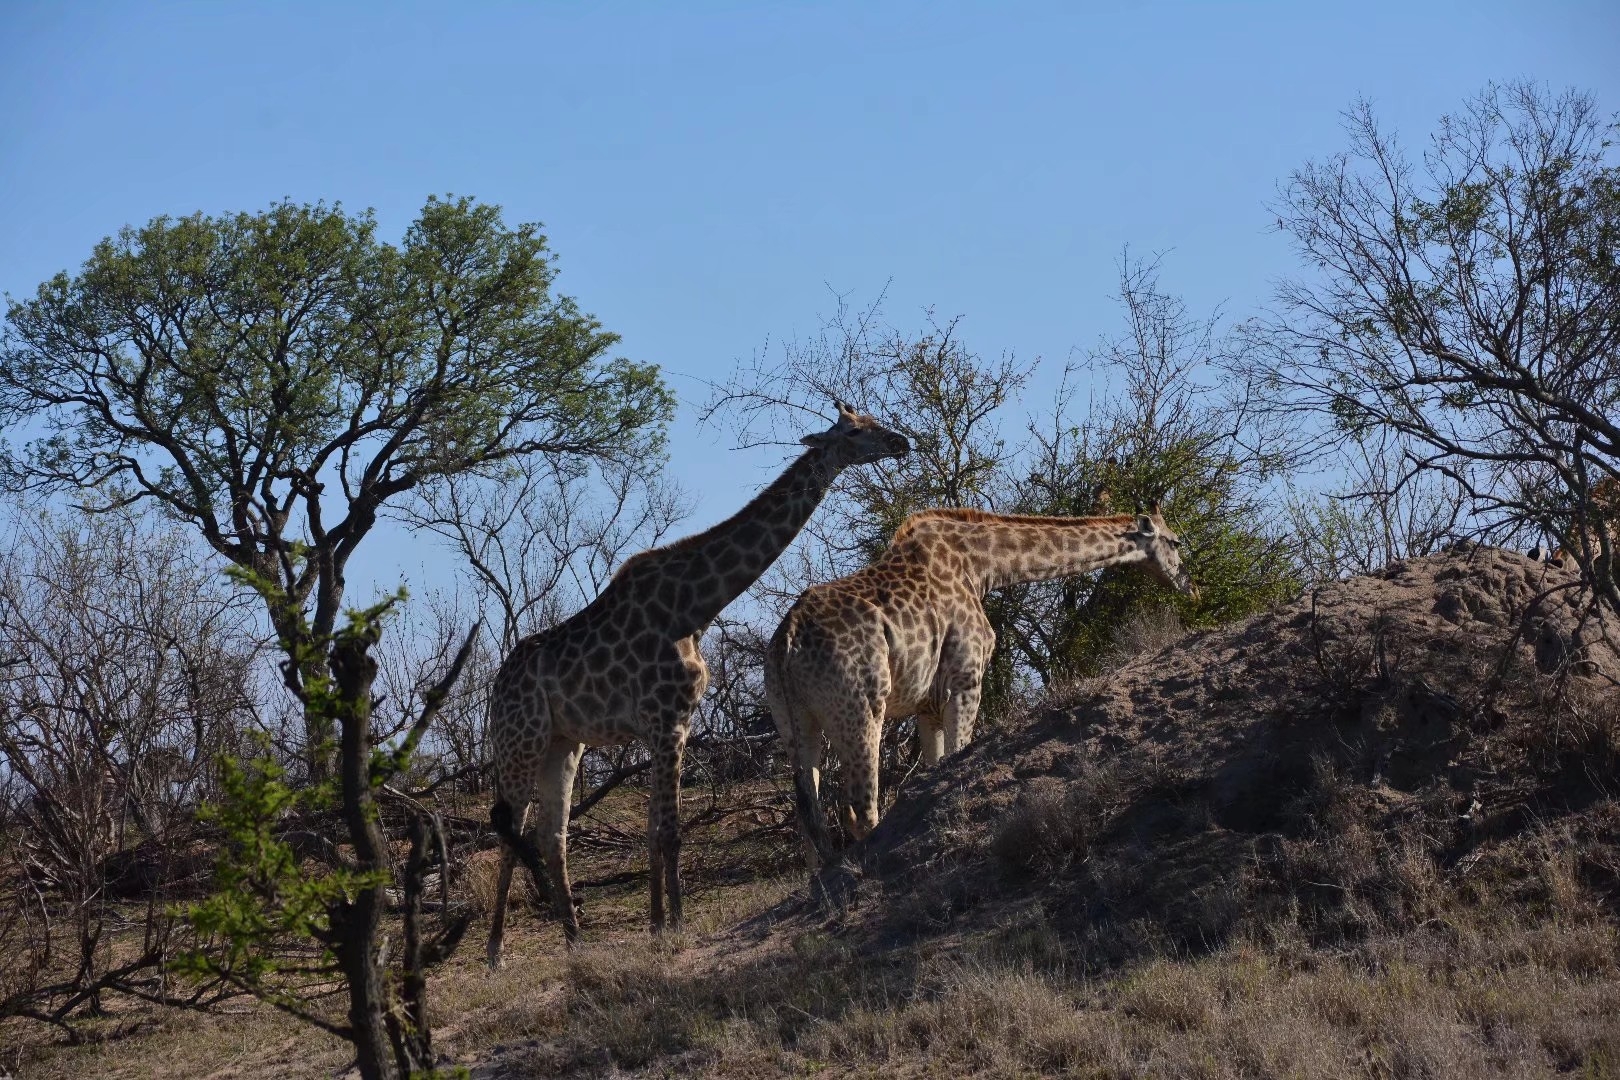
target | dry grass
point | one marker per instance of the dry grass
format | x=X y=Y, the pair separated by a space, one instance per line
x=250 y=1041
x=1493 y=1008
x=1493 y=991
x=474 y=1011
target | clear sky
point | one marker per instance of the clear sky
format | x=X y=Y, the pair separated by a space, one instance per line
x=706 y=172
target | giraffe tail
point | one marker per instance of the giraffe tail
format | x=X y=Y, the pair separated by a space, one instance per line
x=504 y=822
x=500 y=819
x=808 y=806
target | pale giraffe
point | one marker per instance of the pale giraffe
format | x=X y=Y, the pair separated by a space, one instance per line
x=1601 y=522
x=628 y=667
x=908 y=635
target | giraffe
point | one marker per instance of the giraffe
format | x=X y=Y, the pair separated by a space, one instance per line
x=1602 y=518
x=628 y=668
x=908 y=635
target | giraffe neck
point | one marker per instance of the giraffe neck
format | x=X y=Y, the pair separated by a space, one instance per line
x=1004 y=550
x=720 y=563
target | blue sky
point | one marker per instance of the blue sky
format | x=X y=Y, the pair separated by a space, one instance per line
x=707 y=172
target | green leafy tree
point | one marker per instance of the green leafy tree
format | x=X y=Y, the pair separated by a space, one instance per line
x=279 y=379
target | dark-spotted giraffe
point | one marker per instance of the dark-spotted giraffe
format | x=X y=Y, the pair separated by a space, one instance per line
x=908 y=635
x=628 y=668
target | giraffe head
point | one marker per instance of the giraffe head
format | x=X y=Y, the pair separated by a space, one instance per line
x=1162 y=547
x=857 y=439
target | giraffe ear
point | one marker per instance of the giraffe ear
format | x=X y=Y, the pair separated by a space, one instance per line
x=1144 y=525
x=817 y=440
x=845 y=413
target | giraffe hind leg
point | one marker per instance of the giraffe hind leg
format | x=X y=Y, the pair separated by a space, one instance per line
x=807 y=805
x=552 y=807
x=513 y=844
x=664 y=832
x=930 y=738
x=801 y=735
x=861 y=778
x=805 y=747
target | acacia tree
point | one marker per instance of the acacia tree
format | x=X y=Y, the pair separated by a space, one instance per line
x=1469 y=304
x=278 y=379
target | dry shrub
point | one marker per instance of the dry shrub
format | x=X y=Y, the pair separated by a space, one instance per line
x=1145 y=630
x=479 y=875
x=935 y=896
x=980 y=1020
x=1170 y=995
x=1560 y=722
x=1053 y=822
x=625 y=995
x=1026 y=941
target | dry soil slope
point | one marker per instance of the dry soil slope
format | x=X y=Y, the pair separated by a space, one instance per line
x=1429 y=745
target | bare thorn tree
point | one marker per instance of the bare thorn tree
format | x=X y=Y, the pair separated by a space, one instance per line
x=126 y=668
x=930 y=387
x=1468 y=302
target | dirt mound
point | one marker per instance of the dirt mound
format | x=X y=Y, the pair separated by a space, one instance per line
x=1383 y=752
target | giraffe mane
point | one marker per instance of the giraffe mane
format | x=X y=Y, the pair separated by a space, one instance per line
x=971 y=516
x=649 y=554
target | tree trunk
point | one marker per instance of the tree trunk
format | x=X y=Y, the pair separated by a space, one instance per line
x=412 y=1038
x=357 y=921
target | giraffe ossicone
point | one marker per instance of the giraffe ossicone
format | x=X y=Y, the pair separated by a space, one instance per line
x=908 y=636
x=627 y=668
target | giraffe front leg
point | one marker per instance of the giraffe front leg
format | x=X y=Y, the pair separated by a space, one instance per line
x=558 y=767
x=672 y=841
